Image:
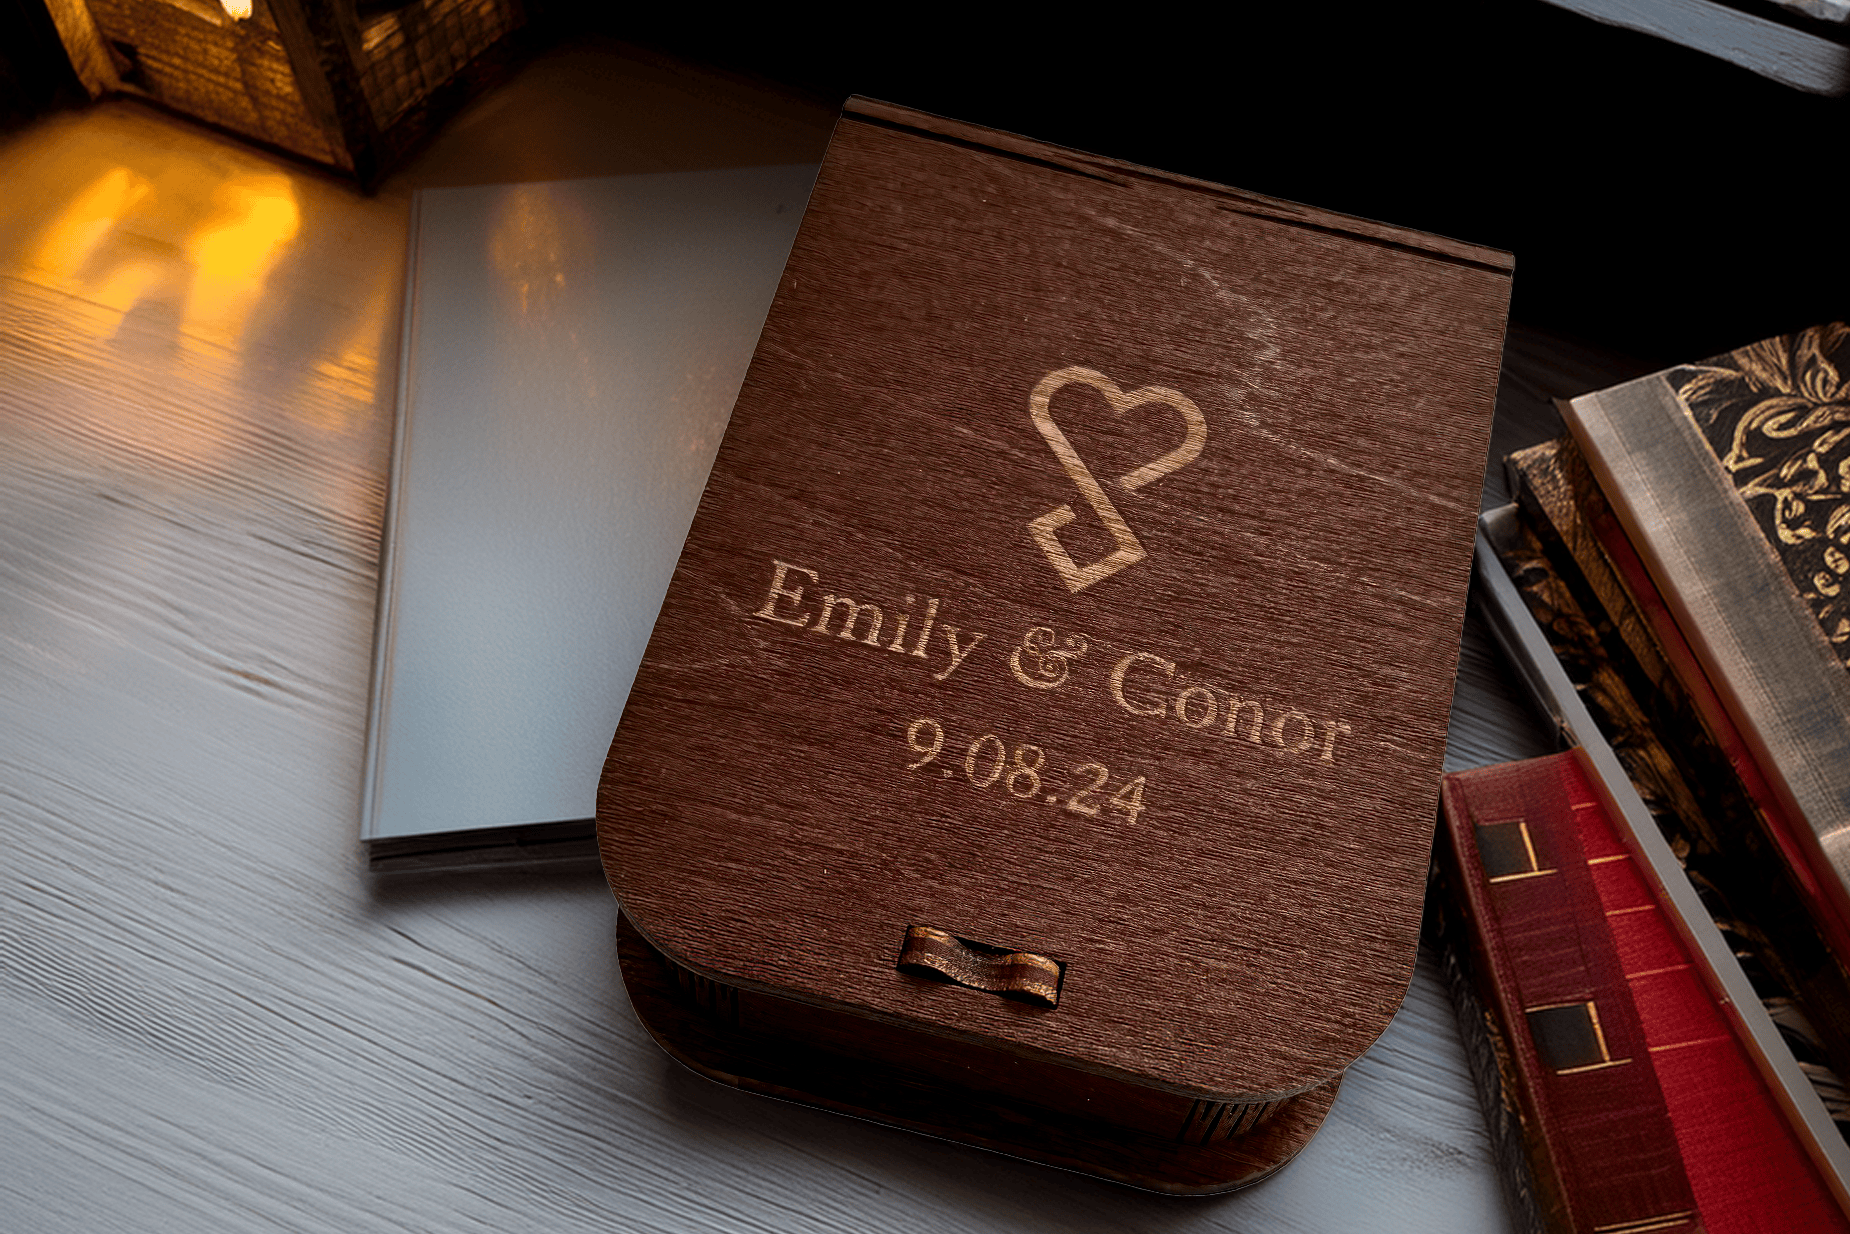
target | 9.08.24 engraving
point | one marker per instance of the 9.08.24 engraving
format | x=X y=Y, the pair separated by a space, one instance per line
x=1023 y=773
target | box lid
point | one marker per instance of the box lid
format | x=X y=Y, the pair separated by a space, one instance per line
x=1081 y=574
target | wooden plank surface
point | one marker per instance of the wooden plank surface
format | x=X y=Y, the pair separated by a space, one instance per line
x=213 y=1017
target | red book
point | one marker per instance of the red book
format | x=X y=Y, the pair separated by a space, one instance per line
x=1638 y=1105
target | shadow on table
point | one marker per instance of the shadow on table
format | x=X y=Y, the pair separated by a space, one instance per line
x=988 y=1191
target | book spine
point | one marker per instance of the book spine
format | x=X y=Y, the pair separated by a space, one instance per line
x=1594 y=1117
x=1831 y=912
x=1638 y=678
x=1711 y=960
x=1529 y=1181
x=1772 y=667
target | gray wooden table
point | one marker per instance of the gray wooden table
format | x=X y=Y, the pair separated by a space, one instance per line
x=214 y=1018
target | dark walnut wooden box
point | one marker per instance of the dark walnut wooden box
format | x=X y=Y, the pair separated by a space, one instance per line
x=1040 y=742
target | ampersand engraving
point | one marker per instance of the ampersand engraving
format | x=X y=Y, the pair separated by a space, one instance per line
x=1046 y=665
x=1129 y=550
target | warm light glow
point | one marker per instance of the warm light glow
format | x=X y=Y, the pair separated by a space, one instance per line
x=127 y=283
x=232 y=253
x=541 y=236
x=238 y=9
x=107 y=246
x=74 y=235
x=197 y=296
x=533 y=244
x=353 y=371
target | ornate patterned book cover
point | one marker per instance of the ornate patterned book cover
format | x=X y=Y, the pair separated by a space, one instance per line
x=1776 y=415
x=1730 y=480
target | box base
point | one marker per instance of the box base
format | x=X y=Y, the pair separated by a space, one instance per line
x=713 y=1045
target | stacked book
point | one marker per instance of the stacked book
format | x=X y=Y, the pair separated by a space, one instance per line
x=1651 y=934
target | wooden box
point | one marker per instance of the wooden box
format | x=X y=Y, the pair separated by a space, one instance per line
x=1039 y=744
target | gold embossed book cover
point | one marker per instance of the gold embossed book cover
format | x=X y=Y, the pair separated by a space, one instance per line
x=1040 y=739
x=1731 y=481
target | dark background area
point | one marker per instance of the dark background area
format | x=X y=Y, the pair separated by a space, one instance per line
x=1660 y=202
x=35 y=74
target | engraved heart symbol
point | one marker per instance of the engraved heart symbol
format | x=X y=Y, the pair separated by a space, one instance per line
x=1129 y=550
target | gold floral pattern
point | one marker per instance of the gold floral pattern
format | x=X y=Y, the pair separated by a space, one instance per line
x=1777 y=415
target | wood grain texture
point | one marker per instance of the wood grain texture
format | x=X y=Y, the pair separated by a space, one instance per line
x=213 y=1018
x=1025 y=600
x=958 y=1091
